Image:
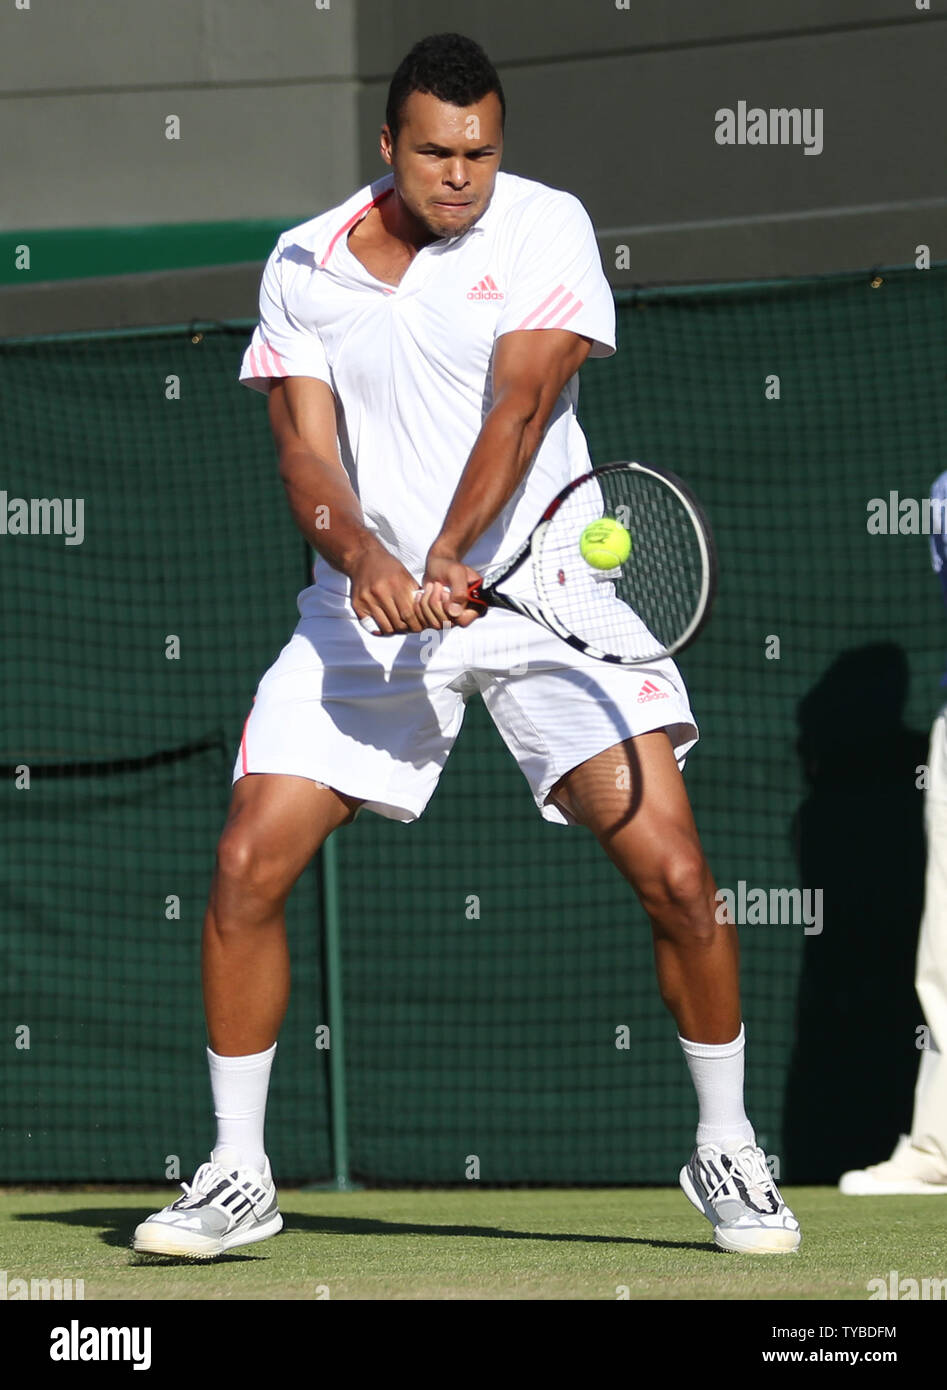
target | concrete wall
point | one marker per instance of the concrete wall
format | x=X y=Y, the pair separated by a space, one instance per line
x=265 y=91
x=619 y=106
x=280 y=102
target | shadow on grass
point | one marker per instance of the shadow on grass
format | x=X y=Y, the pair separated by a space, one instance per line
x=115 y=1228
x=368 y=1226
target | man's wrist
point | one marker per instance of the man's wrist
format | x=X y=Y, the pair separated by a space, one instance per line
x=445 y=549
x=355 y=549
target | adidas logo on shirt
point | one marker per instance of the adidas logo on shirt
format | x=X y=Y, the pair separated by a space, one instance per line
x=485 y=290
x=649 y=691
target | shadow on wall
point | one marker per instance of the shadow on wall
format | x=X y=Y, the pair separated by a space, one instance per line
x=859 y=836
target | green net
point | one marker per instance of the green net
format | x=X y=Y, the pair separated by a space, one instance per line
x=501 y=1015
x=130 y=662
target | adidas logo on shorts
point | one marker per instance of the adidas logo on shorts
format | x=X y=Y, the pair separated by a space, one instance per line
x=485 y=290
x=649 y=691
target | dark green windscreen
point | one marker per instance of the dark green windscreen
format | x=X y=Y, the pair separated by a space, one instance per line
x=491 y=961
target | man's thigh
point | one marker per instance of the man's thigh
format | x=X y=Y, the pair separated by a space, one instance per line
x=372 y=717
x=274 y=826
x=557 y=709
x=635 y=780
x=633 y=799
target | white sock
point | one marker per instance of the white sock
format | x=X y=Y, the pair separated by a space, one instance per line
x=717 y=1073
x=240 y=1085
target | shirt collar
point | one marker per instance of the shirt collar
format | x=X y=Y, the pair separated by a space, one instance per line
x=321 y=236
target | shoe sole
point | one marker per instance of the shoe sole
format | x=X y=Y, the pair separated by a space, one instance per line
x=156 y=1238
x=851 y=1185
x=769 y=1242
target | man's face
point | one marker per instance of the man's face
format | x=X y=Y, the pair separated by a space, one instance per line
x=445 y=160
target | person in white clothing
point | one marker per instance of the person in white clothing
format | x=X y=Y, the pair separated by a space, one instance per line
x=419 y=348
x=918 y=1165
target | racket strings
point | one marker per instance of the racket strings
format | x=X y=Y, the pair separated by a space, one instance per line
x=645 y=606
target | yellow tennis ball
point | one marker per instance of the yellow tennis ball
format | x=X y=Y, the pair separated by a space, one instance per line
x=605 y=544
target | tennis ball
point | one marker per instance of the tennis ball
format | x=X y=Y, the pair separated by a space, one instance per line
x=605 y=544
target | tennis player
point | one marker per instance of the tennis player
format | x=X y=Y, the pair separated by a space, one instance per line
x=419 y=346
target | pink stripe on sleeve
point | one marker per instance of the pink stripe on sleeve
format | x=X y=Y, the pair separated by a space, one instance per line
x=272 y=361
x=555 y=311
x=557 y=293
x=243 y=744
x=264 y=366
x=561 y=323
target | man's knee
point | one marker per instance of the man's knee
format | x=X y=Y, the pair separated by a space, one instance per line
x=248 y=867
x=679 y=889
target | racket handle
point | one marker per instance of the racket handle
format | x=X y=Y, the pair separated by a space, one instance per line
x=475 y=598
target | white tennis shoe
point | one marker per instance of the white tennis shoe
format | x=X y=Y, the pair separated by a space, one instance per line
x=909 y=1172
x=225 y=1206
x=736 y=1193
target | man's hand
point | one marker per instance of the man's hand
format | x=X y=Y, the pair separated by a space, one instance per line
x=383 y=590
x=443 y=601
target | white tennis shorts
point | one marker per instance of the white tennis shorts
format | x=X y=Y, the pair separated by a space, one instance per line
x=376 y=717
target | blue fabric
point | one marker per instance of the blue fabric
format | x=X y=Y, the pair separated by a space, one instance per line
x=939 y=541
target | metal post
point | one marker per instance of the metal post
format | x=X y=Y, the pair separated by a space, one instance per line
x=334 y=1007
x=332 y=971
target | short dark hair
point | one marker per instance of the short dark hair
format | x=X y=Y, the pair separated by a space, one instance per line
x=447 y=66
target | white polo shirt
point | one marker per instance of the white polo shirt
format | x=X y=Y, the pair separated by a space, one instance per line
x=410 y=366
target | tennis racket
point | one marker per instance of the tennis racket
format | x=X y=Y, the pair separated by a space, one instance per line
x=652 y=605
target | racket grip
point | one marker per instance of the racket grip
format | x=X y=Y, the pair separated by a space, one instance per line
x=475 y=597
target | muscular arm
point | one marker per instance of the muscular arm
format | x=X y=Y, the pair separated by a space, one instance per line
x=529 y=371
x=326 y=509
x=302 y=418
